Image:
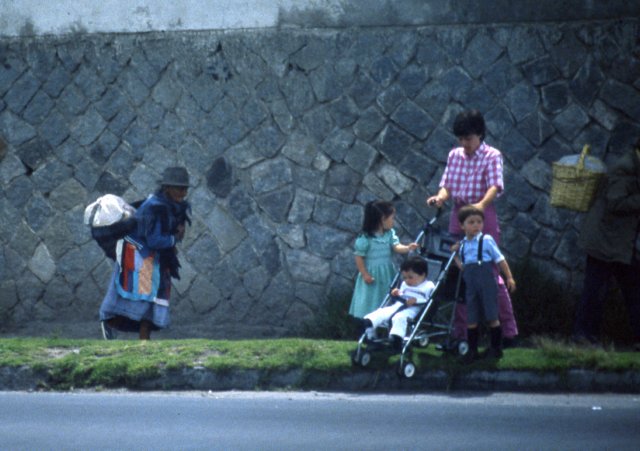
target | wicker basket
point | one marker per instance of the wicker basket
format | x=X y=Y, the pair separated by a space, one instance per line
x=574 y=186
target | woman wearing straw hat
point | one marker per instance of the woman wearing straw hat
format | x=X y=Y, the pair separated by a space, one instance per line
x=137 y=299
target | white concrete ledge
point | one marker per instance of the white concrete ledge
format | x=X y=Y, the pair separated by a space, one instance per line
x=38 y=18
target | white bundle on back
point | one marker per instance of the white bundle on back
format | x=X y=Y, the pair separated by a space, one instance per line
x=107 y=210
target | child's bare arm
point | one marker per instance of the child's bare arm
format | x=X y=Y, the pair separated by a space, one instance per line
x=506 y=271
x=363 y=269
x=405 y=248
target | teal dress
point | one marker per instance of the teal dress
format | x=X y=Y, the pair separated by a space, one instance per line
x=377 y=252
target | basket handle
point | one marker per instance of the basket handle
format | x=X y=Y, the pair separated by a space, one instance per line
x=583 y=155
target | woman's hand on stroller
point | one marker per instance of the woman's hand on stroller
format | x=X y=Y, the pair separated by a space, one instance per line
x=436 y=201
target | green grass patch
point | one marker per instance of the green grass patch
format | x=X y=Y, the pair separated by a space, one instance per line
x=96 y=363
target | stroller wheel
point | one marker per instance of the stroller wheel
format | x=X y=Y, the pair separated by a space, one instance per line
x=423 y=341
x=462 y=348
x=365 y=359
x=407 y=369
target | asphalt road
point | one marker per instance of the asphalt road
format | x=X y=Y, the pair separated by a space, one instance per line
x=322 y=421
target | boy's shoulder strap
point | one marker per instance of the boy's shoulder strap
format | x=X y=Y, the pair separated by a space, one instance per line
x=480 y=241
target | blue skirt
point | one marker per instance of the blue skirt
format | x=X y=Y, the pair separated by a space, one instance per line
x=114 y=305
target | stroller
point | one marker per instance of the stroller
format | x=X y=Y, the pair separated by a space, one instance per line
x=434 y=323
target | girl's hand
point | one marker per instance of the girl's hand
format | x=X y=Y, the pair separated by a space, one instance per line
x=511 y=284
x=368 y=279
x=395 y=292
x=411 y=301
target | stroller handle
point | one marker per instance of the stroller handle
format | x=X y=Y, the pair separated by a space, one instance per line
x=435 y=217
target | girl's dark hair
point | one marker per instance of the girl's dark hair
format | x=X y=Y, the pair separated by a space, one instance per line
x=415 y=264
x=469 y=122
x=469 y=210
x=374 y=212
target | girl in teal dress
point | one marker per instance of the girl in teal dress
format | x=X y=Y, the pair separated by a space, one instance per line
x=373 y=255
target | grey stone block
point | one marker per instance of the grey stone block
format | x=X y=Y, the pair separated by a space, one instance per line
x=363 y=91
x=204 y=254
x=10 y=168
x=457 y=82
x=537 y=173
x=299 y=263
x=21 y=92
x=342 y=183
x=15 y=129
x=431 y=54
x=326 y=241
x=337 y=144
x=56 y=81
x=298 y=93
x=480 y=54
x=42 y=264
x=621 y=96
x=369 y=124
x=541 y=71
x=392 y=143
x=326 y=210
x=302 y=207
x=325 y=83
x=536 y=128
x=571 y=121
x=227 y=231
x=13 y=67
x=394 y=179
x=38 y=211
x=411 y=118
x=344 y=111
x=360 y=157
x=270 y=175
x=383 y=71
x=276 y=203
x=524 y=45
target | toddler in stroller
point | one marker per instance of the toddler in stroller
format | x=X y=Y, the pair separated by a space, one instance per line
x=408 y=300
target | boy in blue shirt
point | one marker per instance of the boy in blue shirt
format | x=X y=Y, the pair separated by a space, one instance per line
x=478 y=253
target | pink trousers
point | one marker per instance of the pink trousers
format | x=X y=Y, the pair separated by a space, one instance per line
x=505 y=309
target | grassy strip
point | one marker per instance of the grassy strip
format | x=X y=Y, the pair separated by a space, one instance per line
x=90 y=363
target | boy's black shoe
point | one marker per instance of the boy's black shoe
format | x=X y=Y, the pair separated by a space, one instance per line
x=509 y=342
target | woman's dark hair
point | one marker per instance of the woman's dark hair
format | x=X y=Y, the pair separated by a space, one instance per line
x=416 y=264
x=469 y=210
x=374 y=212
x=469 y=122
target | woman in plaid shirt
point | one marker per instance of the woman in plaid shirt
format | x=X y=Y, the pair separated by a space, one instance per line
x=473 y=176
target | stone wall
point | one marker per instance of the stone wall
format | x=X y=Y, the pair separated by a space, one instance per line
x=286 y=134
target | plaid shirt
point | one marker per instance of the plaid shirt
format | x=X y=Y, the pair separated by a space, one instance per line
x=468 y=179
